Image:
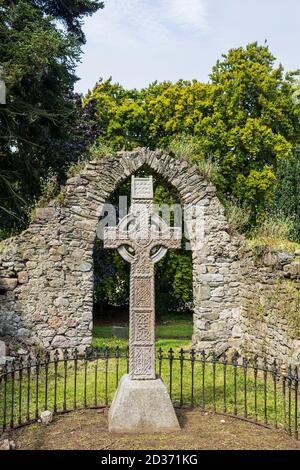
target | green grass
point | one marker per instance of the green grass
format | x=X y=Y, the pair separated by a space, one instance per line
x=181 y=330
x=189 y=383
x=176 y=327
x=165 y=344
x=186 y=388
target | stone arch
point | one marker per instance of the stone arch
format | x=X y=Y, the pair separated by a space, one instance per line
x=47 y=271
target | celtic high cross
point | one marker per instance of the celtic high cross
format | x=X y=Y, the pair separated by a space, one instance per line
x=142 y=238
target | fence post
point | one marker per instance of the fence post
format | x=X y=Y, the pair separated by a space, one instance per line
x=75 y=360
x=275 y=376
x=160 y=358
x=28 y=387
x=296 y=387
x=245 y=368
x=65 y=359
x=255 y=371
x=47 y=360
x=265 y=369
x=5 y=373
x=192 y=359
x=12 y=373
x=214 y=360
x=235 y=365
x=56 y=359
x=20 y=389
x=224 y=357
x=203 y=362
x=171 y=357
x=289 y=377
x=181 y=360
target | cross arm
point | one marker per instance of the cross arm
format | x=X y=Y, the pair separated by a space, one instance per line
x=170 y=238
x=115 y=238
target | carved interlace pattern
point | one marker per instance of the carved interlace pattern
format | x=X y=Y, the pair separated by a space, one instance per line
x=143 y=327
x=142 y=292
x=142 y=231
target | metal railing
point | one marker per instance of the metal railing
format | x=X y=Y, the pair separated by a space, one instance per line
x=259 y=391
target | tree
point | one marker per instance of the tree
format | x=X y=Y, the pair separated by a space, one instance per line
x=287 y=192
x=245 y=120
x=257 y=123
x=38 y=61
x=71 y=12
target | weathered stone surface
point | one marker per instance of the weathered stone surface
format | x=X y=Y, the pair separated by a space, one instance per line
x=292 y=270
x=7 y=283
x=23 y=277
x=54 y=304
x=45 y=213
x=142 y=406
x=139 y=230
x=46 y=417
x=7 y=444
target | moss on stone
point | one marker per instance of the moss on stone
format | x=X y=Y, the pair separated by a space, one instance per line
x=282 y=301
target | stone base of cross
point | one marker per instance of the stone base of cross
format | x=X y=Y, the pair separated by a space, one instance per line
x=142 y=238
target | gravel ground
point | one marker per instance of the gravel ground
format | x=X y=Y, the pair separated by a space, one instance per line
x=88 y=430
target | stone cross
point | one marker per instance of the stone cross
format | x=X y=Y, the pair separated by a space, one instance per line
x=142 y=238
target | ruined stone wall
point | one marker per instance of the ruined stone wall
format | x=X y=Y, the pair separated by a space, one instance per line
x=270 y=321
x=46 y=273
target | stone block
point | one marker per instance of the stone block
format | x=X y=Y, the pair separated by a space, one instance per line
x=45 y=213
x=23 y=277
x=60 y=342
x=46 y=417
x=205 y=292
x=142 y=406
x=8 y=283
x=292 y=270
x=236 y=331
x=24 y=332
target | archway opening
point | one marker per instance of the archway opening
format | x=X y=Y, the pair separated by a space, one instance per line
x=173 y=275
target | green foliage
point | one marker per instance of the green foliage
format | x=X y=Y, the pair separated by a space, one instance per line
x=274 y=226
x=111 y=277
x=274 y=233
x=70 y=12
x=238 y=127
x=287 y=193
x=238 y=217
x=38 y=59
x=173 y=288
x=95 y=152
x=49 y=188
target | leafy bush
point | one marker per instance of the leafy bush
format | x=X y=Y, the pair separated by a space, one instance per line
x=184 y=147
x=274 y=226
x=237 y=128
x=287 y=192
x=238 y=217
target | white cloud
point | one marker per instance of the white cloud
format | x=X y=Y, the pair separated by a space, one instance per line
x=123 y=23
x=138 y=41
x=187 y=13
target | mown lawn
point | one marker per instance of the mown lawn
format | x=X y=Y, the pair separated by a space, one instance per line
x=172 y=331
x=189 y=383
x=209 y=386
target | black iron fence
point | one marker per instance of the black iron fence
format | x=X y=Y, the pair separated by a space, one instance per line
x=255 y=390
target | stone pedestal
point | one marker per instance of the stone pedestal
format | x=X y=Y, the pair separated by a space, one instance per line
x=142 y=406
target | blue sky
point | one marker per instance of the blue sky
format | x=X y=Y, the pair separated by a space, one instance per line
x=139 y=41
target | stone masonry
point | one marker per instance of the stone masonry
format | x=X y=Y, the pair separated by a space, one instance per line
x=46 y=273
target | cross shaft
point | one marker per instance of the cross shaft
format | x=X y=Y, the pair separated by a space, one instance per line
x=142 y=238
